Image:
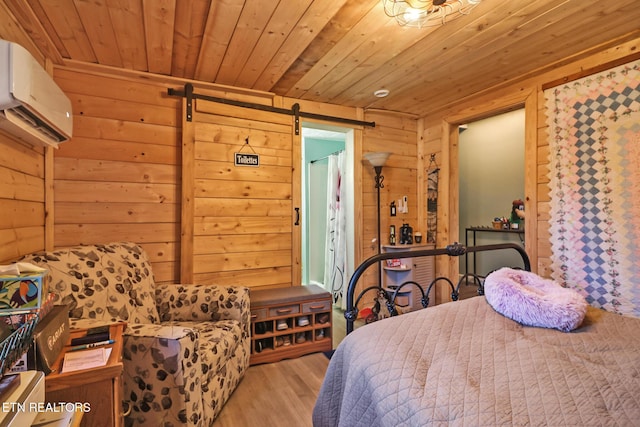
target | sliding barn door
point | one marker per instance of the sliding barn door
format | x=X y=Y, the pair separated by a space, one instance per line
x=237 y=220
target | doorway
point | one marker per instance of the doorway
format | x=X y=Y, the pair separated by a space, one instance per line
x=322 y=145
x=491 y=158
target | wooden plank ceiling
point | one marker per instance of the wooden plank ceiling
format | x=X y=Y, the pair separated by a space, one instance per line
x=334 y=51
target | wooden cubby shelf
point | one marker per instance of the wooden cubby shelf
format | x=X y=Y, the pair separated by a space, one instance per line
x=290 y=322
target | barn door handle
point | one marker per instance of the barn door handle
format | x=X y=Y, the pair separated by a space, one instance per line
x=297 y=216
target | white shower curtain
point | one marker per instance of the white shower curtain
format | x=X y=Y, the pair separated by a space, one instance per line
x=335 y=277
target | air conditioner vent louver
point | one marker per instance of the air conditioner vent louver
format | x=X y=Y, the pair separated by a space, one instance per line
x=21 y=113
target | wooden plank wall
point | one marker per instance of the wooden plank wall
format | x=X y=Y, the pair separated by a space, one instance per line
x=117 y=179
x=22 y=174
x=438 y=131
x=22 y=198
x=397 y=134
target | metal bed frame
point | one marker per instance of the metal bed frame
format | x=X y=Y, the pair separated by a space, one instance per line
x=455 y=249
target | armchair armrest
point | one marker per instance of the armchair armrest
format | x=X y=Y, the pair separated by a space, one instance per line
x=87 y=323
x=165 y=332
x=161 y=371
x=193 y=303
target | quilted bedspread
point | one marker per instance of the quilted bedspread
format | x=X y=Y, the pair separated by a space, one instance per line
x=464 y=364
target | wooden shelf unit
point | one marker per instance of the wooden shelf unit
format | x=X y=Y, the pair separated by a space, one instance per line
x=420 y=270
x=289 y=306
x=101 y=387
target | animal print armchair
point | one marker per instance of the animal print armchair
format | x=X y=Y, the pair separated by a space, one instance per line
x=186 y=347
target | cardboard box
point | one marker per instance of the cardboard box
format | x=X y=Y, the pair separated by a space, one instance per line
x=394 y=263
x=22 y=292
x=16 y=320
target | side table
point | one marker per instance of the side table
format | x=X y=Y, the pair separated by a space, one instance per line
x=99 y=387
x=474 y=231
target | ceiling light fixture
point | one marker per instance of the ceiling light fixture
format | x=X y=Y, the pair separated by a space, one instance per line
x=381 y=93
x=427 y=13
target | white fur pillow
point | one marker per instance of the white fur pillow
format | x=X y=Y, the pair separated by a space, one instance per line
x=534 y=301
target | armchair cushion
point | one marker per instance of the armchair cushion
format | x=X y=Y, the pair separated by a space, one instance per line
x=196 y=303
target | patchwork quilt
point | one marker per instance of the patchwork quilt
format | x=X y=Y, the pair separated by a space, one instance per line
x=594 y=183
x=464 y=364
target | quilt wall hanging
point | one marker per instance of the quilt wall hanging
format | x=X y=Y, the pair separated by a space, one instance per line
x=594 y=172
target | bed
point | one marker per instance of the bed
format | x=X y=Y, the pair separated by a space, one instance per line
x=463 y=363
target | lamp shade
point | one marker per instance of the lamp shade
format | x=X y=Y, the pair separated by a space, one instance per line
x=376 y=158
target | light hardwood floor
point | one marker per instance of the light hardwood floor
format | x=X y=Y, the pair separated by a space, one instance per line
x=280 y=394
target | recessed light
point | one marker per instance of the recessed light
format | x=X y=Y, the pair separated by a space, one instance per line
x=381 y=93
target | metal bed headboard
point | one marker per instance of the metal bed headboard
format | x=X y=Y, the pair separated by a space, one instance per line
x=455 y=249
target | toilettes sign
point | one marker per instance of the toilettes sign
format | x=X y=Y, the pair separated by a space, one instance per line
x=242 y=159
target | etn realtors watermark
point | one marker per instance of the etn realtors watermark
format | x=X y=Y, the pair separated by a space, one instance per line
x=46 y=407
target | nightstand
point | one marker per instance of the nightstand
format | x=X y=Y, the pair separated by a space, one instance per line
x=99 y=387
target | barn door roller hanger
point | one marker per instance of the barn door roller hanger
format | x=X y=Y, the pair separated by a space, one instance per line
x=294 y=111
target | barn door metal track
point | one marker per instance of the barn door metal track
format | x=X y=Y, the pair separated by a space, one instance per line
x=294 y=111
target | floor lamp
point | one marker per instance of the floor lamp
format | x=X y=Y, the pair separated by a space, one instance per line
x=378 y=160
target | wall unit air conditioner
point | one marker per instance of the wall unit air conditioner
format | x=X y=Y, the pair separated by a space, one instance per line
x=32 y=106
